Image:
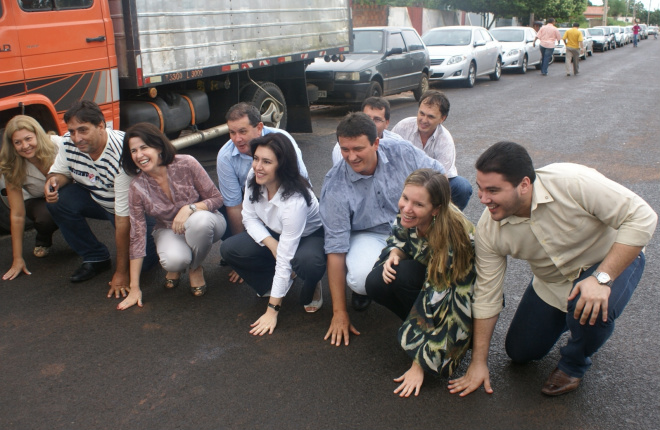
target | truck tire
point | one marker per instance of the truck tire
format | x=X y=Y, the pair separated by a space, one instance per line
x=268 y=98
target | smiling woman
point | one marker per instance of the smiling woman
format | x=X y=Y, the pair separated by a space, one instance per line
x=25 y=158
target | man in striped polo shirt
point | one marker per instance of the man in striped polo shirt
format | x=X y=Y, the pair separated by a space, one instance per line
x=87 y=181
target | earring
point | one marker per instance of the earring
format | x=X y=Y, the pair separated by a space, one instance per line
x=433 y=222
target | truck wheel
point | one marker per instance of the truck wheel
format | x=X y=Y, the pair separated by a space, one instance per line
x=268 y=98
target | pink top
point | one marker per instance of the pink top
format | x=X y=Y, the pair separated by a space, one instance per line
x=548 y=34
x=189 y=183
x=636 y=29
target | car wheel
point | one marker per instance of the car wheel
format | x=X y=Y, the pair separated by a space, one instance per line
x=523 y=68
x=590 y=53
x=270 y=101
x=472 y=75
x=374 y=90
x=422 y=87
x=495 y=76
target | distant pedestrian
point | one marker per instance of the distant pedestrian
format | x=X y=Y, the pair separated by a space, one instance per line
x=548 y=35
x=635 y=29
x=573 y=40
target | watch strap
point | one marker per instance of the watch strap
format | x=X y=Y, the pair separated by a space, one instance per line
x=274 y=307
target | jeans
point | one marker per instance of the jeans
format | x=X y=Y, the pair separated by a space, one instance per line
x=537 y=326
x=74 y=205
x=546 y=56
x=256 y=264
x=635 y=37
x=399 y=295
x=461 y=191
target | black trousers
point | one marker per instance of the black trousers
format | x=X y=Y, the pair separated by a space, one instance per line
x=399 y=295
x=256 y=264
x=37 y=212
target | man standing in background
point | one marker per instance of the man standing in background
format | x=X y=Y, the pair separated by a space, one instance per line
x=548 y=35
x=573 y=40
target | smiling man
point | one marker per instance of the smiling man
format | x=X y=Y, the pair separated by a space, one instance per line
x=583 y=237
x=235 y=160
x=427 y=133
x=87 y=181
x=358 y=205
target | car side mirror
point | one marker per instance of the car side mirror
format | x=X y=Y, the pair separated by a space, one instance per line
x=394 y=51
x=480 y=43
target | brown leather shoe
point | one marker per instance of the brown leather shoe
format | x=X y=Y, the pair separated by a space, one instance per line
x=559 y=383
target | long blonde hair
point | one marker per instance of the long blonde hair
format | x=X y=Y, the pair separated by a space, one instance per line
x=12 y=165
x=449 y=228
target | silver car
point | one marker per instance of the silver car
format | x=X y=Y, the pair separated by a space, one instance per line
x=619 y=35
x=462 y=53
x=518 y=50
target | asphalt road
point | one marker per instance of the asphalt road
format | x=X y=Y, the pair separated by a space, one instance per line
x=69 y=360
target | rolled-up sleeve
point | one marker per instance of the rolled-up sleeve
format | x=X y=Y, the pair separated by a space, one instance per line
x=491 y=268
x=138 y=239
x=336 y=219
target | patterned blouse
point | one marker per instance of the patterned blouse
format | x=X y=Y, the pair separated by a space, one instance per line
x=438 y=330
x=189 y=183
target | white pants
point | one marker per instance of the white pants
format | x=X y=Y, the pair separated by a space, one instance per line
x=364 y=249
x=178 y=251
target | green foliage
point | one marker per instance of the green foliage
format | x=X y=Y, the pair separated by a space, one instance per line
x=431 y=4
x=617 y=8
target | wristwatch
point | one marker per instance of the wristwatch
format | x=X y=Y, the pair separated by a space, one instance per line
x=193 y=208
x=275 y=307
x=603 y=278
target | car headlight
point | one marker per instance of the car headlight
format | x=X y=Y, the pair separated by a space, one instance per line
x=456 y=59
x=347 y=76
x=513 y=52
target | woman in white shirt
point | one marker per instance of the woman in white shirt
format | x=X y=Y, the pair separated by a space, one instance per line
x=284 y=234
x=25 y=158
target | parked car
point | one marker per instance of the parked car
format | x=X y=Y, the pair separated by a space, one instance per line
x=518 y=50
x=611 y=39
x=463 y=53
x=619 y=35
x=384 y=61
x=653 y=31
x=600 y=39
x=643 y=31
x=587 y=45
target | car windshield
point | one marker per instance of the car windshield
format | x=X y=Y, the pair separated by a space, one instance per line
x=447 y=37
x=596 y=31
x=367 y=42
x=508 y=35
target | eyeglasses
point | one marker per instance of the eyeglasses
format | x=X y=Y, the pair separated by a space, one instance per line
x=378 y=120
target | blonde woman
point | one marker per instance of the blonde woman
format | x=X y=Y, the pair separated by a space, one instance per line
x=25 y=157
x=425 y=276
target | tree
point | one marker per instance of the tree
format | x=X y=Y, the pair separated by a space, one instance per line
x=617 y=8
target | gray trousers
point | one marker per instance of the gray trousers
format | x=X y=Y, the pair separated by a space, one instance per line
x=178 y=251
x=572 y=56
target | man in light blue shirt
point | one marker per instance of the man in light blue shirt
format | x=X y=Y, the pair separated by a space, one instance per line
x=358 y=205
x=235 y=160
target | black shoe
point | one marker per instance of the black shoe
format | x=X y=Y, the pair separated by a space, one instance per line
x=87 y=271
x=360 y=302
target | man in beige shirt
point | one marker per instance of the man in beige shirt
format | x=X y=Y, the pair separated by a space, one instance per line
x=582 y=235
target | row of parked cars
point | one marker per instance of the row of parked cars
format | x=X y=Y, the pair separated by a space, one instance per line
x=391 y=60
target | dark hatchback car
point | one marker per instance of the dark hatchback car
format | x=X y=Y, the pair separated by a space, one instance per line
x=384 y=61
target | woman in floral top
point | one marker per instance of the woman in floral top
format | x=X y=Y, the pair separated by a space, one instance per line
x=425 y=275
x=180 y=195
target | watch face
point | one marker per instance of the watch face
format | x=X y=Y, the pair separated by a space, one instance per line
x=603 y=278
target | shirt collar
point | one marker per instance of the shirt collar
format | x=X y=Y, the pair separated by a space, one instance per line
x=353 y=176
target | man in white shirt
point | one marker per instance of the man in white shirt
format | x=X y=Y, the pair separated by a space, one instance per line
x=426 y=132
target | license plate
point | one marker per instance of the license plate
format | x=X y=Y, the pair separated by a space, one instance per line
x=323 y=94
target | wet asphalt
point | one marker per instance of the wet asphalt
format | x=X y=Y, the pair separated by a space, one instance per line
x=69 y=360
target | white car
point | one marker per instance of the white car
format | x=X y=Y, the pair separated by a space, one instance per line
x=462 y=53
x=518 y=50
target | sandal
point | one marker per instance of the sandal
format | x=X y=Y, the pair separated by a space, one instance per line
x=171 y=283
x=315 y=305
x=198 y=291
x=41 y=251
